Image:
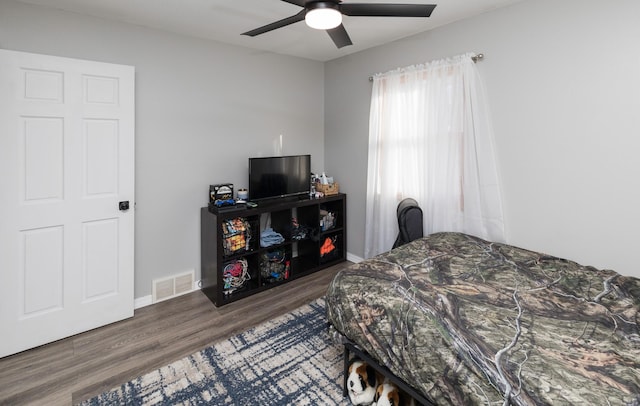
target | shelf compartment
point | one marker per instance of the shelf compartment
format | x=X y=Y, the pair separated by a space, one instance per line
x=307 y=217
x=308 y=249
x=239 y=275
x=328 y=220
x=281 y=222
x=331 y=215
x=237 y=236
x=303 y=265
x=275 y=265
x=331 y=247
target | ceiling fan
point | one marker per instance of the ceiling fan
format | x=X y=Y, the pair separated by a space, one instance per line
x=327 y=15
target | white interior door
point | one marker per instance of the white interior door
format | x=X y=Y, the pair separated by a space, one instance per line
x=66 y=161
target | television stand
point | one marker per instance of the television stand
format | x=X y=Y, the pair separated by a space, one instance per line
x=304 y=250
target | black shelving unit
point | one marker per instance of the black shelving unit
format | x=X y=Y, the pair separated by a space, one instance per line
x=324 y=221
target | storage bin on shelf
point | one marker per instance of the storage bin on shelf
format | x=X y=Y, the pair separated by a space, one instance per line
x=235 y=274
x=274 y=265
x=327 y=220
x=236 y=235
x=328 y=189
x=331 y=248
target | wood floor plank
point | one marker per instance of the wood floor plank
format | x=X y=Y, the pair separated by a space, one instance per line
x=79 y=367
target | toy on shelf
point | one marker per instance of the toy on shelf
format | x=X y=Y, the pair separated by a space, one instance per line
x=235 y=275
x=236 y=234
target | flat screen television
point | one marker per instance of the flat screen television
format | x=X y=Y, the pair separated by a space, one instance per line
x=279 y=176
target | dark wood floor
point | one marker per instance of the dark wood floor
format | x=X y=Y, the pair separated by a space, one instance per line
x=80 y=367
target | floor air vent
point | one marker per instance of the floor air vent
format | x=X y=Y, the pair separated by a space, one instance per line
x=172 y=286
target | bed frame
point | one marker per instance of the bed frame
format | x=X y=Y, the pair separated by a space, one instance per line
x=351 y=347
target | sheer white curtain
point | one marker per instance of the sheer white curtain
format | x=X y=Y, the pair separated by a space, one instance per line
x=430 y=139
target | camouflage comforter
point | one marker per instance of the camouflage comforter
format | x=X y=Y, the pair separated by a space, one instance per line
x=466 y=321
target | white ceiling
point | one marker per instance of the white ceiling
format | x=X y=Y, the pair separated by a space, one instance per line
x=225 y=20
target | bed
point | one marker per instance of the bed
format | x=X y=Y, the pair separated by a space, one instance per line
x=466 y=321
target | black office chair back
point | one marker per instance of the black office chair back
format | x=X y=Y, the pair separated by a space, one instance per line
x=409 y=222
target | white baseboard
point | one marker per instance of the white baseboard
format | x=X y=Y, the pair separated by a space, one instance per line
x=354 y=258
x=142 y=301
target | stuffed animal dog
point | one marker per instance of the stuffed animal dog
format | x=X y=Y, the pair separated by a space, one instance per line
x=388 y=394
x=362 y=382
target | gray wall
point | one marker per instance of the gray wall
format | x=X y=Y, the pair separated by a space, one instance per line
x=202 y=108
x=563 y=80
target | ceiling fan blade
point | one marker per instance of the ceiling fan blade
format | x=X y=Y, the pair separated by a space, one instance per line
x=339 y=36
x=300 y=3
x=278 y=24
x=386 y=10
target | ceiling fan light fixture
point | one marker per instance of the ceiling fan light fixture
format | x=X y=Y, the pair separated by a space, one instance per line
x=323 y=15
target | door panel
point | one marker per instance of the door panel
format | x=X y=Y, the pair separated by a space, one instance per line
x=66 y=160
x=42 y=271
x=100 y=158
x=100 y=259
x=42 y=155
x=42 y=85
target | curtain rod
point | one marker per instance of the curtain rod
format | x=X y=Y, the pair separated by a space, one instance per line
x=475 y=59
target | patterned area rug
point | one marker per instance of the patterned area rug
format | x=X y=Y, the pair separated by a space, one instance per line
x=289 y=360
